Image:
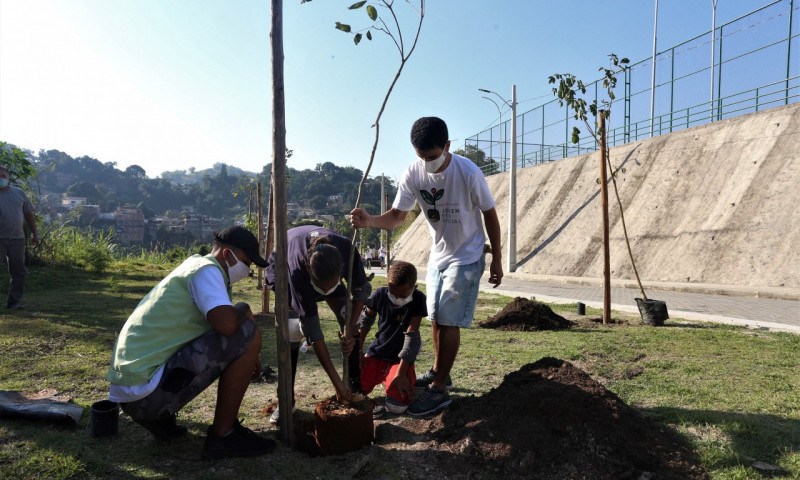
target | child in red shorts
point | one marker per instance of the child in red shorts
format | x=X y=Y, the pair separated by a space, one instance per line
x=390 y=358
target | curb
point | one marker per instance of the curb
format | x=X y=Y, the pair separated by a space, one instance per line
x=775 y=293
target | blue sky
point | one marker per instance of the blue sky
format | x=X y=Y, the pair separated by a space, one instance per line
x=173 y=84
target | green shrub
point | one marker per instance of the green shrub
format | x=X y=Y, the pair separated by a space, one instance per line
x=66 y=246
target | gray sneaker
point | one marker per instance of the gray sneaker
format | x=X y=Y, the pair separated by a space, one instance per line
x=424 y=380
x=429 y=402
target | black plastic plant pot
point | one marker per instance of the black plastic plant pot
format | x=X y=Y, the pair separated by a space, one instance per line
x=654 y=312
x=104 y=419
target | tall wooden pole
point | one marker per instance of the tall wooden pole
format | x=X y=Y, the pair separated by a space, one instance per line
x=388 y=233
x=260 y=219
x=279 y=193
x=270 y=244
x=601 y=130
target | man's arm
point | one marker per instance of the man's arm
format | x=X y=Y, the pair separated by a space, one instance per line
x=393 y=218
x=30 y=220
x=493 y=230
x=226 y=319
x=408 y=355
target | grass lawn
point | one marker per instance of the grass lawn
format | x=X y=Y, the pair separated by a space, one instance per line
x=733 y=392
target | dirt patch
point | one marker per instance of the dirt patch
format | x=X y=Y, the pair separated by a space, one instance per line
x=551 y=420
x=524 y=315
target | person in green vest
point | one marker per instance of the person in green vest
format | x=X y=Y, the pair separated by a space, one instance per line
x=184 y=335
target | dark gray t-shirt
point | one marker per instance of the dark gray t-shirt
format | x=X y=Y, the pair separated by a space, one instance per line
x=13 y=205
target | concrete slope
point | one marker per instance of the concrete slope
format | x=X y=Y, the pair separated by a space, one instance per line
x=716 y=204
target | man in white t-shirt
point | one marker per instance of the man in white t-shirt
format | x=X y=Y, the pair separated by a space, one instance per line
x=457 y=203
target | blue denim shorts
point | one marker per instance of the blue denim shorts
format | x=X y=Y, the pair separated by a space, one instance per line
x=452 y=293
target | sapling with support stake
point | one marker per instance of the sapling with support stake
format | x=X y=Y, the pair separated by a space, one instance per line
x=394 y=31
x=568 y=91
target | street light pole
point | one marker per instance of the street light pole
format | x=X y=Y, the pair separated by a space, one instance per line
x=501 y=140
x=511 y=256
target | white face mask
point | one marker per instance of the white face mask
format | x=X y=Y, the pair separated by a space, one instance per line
x=399 y=302
x=3 y=182
x=323 y=292
x=432 y=165
x=238 y=270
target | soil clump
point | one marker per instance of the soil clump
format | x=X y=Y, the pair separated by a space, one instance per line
x=551 y=420
x=524 y=315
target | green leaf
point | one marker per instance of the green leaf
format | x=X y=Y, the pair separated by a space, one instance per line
x=427 y=197
x=576 y=135
x=372 y=12
x=369 y=35
x=357 y=5
x=357 y=38
x=343 y=27
x=439 y=195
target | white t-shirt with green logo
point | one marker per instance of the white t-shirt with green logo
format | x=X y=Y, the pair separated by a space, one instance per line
x=452 y=202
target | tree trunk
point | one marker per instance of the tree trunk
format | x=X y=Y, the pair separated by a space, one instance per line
x=279 y=193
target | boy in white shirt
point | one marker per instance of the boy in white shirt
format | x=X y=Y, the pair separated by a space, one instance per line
x=457 y=203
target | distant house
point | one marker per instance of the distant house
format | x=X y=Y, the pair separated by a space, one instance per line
x=130 y=225
x=293 y=210
x=71 y=202
x=335 y=199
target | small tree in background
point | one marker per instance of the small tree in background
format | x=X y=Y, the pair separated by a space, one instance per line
x=570 y=91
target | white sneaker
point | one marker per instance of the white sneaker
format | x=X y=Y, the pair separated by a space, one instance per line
x=276 y=415
x=395 y=407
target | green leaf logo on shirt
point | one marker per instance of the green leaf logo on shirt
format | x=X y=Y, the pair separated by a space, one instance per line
x=431 y=198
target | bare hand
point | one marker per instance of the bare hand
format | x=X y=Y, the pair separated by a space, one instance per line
x=359 y=218
x=347 y=342
x=257 y=372
x=496 y=272
x=343 y=394
x=401 y=383
x=245 y=308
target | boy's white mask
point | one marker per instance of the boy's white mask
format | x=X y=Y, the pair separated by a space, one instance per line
x=431 y=166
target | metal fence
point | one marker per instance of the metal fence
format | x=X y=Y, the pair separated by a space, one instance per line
x=757 y=66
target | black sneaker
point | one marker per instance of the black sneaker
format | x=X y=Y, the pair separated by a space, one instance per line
x=424 y=380
x=240 y=442
x=431 y=401
x=164 y=428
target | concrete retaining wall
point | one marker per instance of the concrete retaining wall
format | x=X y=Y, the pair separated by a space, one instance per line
x=715 y=204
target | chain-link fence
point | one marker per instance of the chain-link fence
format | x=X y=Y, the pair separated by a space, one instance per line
x=756 y=66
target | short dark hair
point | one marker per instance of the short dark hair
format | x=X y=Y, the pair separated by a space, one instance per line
x=402 y=273
x=324 y=261
x=429 y=132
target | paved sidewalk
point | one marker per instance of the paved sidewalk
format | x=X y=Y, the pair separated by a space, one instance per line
x=774 y=314
x=732 y=305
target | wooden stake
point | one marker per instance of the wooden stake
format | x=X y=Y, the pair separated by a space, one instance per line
x=279 y=190
x=260 y=218
x=270 y=244
x=601 y=131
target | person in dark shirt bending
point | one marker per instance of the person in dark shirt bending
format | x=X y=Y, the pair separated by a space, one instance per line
x=316 y=262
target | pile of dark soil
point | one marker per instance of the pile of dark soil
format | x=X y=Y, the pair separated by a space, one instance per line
x=551 y=420
x=523 y=315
